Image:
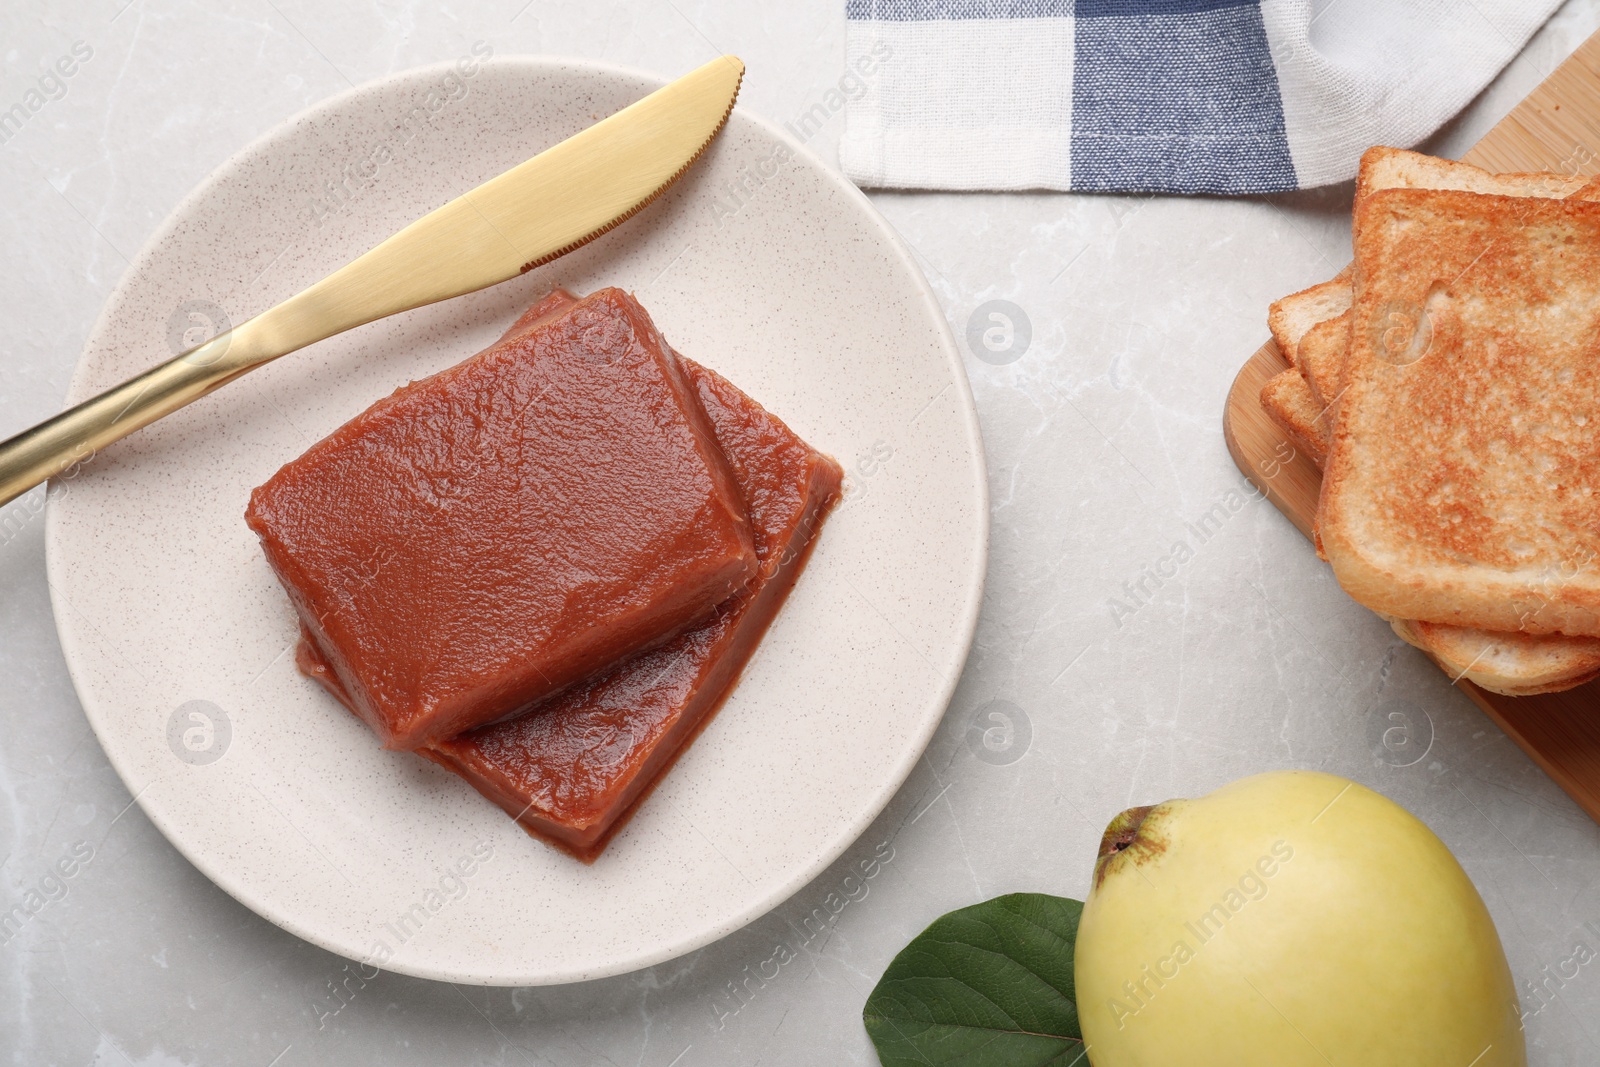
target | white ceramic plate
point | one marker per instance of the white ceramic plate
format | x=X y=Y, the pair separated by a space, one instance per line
x=763 y=264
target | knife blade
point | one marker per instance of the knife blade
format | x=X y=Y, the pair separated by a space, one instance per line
x=537 y=211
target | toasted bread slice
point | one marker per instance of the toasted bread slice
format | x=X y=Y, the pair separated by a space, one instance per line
x=1322 y=352
x=1394 y=168
x=1291 y=318
x=1321 y=348
x=1288 y=401
x=1463 y=485
x=1515 y=664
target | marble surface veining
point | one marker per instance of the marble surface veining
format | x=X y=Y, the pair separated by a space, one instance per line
x=1091 y=686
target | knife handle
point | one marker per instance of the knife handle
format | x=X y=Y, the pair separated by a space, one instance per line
x=79 y=432
x=352 y=296
x=385 y=281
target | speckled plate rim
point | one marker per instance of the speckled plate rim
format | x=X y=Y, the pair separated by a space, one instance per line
x=74 y=647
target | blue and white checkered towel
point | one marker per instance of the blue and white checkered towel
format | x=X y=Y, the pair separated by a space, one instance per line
x=1181 y=96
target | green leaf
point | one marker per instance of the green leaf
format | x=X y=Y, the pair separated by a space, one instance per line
x=985 y=986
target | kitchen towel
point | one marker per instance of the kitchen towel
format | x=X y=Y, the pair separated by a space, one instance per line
x=1175 y=96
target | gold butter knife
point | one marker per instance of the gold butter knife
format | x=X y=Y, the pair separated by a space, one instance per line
x=541 y=209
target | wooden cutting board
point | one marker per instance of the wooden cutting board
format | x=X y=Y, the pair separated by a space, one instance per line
x=1557 y=128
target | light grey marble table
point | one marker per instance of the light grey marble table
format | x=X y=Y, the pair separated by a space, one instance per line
x=1104 y=443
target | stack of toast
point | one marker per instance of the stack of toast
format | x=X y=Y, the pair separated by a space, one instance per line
x=1444 y=384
